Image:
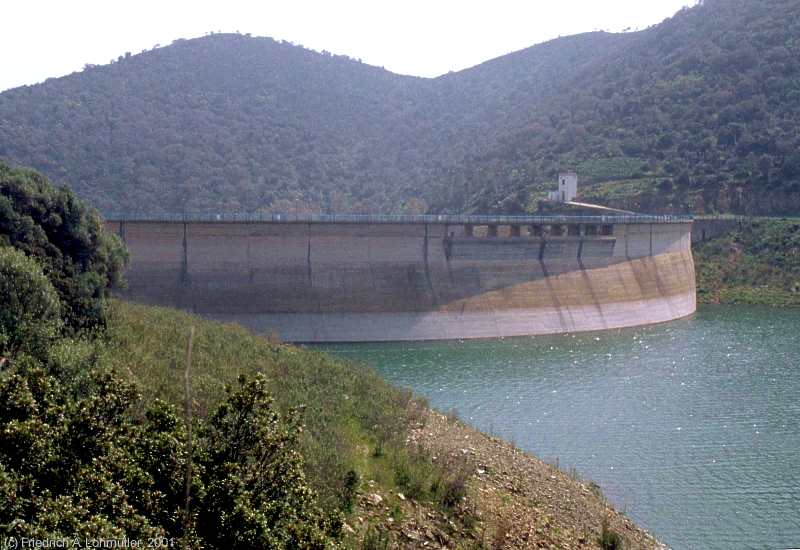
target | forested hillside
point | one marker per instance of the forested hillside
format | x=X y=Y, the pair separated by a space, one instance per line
x=223 y=123
x=700 y=112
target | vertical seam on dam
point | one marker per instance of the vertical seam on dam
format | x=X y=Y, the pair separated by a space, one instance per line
x=185 y=259
x=184 y=293
x=308 y=257
x=427 y=267
x=634 y=264
x=588 y=282
x=249 y=238
x=598 y=304
x=661 y=289
x=373 y=278
x=627 y=254
x=550 y=290
x=447 y=243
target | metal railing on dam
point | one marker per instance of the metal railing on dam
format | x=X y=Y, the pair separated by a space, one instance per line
x=441 y=219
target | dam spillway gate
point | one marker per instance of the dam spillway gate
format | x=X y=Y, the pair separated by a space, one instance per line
x=316 y=278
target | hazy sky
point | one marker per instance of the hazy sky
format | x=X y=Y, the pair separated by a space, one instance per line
x=47 y=38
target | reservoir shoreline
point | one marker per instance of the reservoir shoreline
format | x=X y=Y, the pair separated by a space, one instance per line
x=691 y=427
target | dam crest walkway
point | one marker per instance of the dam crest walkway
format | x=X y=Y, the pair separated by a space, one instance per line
x=439 y=219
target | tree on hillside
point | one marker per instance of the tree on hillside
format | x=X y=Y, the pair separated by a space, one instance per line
x=30 y=314
x=77 y=459
x=226 y=122
x=88 y=467
x=66 y=238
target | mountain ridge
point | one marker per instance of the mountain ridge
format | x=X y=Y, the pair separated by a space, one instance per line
x=696 y=113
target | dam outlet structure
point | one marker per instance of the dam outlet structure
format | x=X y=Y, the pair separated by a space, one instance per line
x=332 y=278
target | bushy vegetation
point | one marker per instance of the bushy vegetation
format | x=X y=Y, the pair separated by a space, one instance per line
x=66 y=238
x=30 y=313
x=609 y=539
x=75 y=457
x=355 y=423
x=84 y=453
x=699 y=112
x=81 y=454
x=87 y=467
x=758 y=263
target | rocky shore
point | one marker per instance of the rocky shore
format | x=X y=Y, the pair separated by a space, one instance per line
x=513 y=500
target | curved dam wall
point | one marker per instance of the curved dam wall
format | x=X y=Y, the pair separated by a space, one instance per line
x=328 y=282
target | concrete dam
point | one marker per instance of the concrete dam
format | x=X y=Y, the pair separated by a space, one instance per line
x=318 y=278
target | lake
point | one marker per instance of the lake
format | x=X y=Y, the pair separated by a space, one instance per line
x=691 y=427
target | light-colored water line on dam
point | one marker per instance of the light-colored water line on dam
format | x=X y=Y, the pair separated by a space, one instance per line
x=324 y=282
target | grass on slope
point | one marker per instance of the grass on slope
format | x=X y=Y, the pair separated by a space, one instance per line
x=355 y=423
x=618 y=191
x=596 y=170
x=759 y=263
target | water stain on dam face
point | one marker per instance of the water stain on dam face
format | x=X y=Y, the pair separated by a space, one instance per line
x=327 y=282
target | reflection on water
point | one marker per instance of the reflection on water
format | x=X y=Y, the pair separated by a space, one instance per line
x=691 y=427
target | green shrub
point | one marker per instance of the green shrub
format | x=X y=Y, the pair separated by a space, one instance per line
x=87 y=467
x=454 y=489
x=349 y=408
x=29 y=307
x=351 y=482
x=66 y=238
x=755 y=263
x=609 y=539
x=376 y=538
x=255 y=488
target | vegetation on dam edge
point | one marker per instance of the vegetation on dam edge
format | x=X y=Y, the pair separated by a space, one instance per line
x=757 y=263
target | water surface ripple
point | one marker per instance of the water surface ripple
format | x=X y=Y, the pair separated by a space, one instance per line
x=691 y=427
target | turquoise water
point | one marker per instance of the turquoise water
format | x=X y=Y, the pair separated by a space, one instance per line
x=691 y=427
